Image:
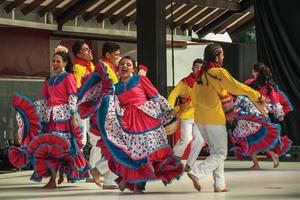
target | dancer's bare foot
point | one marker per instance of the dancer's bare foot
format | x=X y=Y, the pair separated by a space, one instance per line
x=221 y=190
x=275 y=159
x=96 y=175
x=187 y=168
x=90 y=180
x=110 y=187
x=196 y=183
x=50 y=185
x=255 y=167
x=61 y=178
x=122 y=185
x=137 y=190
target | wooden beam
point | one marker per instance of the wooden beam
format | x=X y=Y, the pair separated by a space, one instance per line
x=111 y=11
x=175 y=7
x=178 y=13
x=222 y=4
x=197 y=18
x=187 y=16
x=30 y=7
x=210 y=26
x=221 y=28
x=76 y=10
x=59 y=11
x=93 y=36
x=151 y=51
x=211 y=17
x=215 y=23
x=130 y=18
x=49 y=7
x=123 y=13
x=242 y=28
x=241 y=25
x=246 y=4
x=8 y=8
x=96 y=10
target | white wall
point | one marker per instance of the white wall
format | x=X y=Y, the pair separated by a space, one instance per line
x=183 y=61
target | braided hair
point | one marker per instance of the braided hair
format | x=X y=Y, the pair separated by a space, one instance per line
x=211 y=51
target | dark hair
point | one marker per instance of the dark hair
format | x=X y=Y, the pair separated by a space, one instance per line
x=109 y=47
x=265 y=78
x=66 y=58
x=211 y=51
x=77 y=46
x=256 y=67
x=198 y=60
x=133 y=62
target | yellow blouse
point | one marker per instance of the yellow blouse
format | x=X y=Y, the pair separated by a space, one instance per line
x=205 y=97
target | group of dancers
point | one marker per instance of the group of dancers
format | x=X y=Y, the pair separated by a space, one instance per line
x=127 y=121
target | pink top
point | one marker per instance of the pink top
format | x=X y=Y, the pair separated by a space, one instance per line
x=137 y=91
x=57 y=89
x=273 y=97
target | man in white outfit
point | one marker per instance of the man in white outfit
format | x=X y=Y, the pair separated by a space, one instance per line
x=83 y=66
x=185 y=112
x=214 y=82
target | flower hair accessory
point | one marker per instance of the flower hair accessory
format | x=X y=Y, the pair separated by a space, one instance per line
x=61 y=48
x=143 y=67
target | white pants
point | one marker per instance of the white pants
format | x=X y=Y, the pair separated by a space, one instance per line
x=102 y=167
x=96 y=158
x=188 y=131
x=86 y=126
x=95 y=154
x=216 y=137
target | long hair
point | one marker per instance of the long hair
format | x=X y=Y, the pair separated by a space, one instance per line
x=257 y=66
x=265 y=78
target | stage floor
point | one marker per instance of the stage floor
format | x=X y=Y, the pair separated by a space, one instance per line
x=269 y=183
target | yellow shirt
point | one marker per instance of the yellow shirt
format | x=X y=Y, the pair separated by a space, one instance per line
x=205 y=98
x=182 y=90
x=111 y=73
x=80 y=71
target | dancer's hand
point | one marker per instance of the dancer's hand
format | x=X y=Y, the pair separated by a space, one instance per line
x=142 y=72
x=263 y=99
x=280 y=119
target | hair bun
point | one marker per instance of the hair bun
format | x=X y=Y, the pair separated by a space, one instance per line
x=61 y=48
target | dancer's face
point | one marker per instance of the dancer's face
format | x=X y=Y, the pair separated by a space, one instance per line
x=126 y=68
x=196 y=69
x=220 y=58
x=85 y=53
x=254 y=74
x=113 y=57
x=58 y=64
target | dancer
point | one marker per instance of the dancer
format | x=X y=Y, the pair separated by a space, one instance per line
x=255 y=133
x=210 y=117
x=131 y=123
x=185 y=111
x=50 y=135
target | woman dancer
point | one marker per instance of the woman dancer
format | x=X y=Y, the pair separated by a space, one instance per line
x=131 y=121
x=49 y=133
